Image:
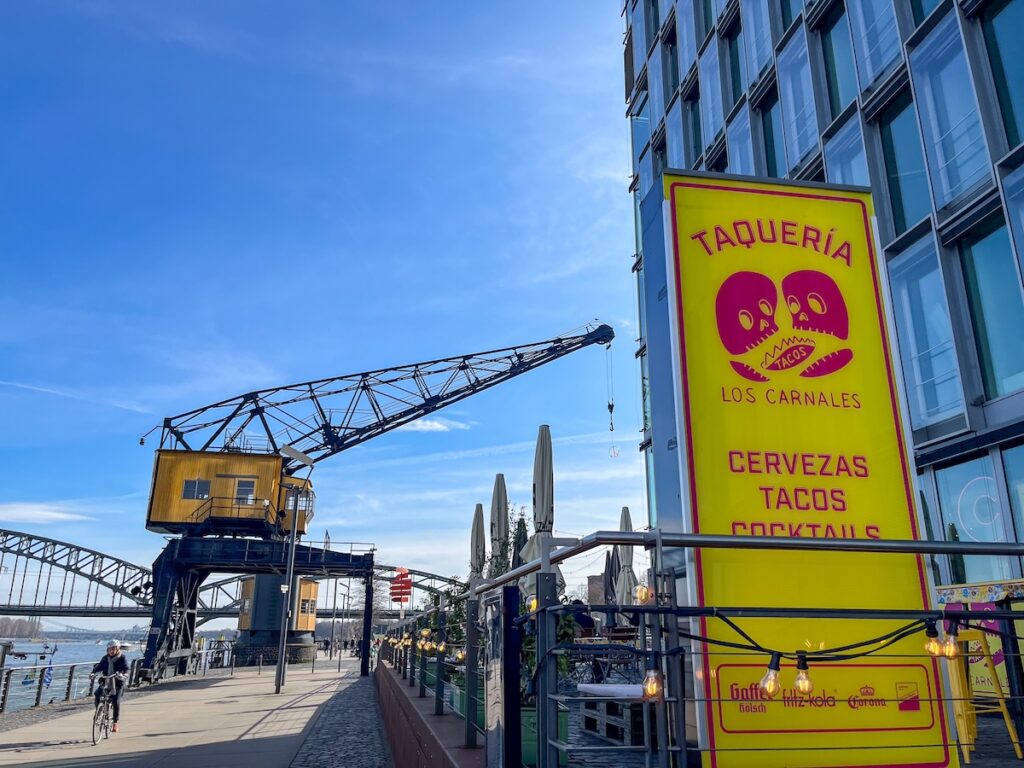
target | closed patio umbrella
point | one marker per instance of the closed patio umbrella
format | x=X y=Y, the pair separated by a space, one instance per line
x=611 y=573
x=499 y=527
x=477 y=544
x=518 y=543
x=626 y=580
x=543 y=509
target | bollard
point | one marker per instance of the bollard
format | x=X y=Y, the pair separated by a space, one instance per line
x=259 y=667
x=232 y=665
x=71 y=678
x=312 y=667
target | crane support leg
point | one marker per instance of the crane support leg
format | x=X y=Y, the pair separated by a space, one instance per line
x=175 y=603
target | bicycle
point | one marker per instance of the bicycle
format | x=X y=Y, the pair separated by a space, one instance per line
x=103 y=718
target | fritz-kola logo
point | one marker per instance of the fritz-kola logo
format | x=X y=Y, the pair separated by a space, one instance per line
x=746 y=309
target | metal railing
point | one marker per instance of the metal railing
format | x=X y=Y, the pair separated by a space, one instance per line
x=542 y=664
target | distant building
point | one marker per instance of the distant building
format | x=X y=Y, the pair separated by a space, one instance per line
x=595 y=590
x=919 y=100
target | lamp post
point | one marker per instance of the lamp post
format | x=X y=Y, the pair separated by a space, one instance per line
x=287 y=597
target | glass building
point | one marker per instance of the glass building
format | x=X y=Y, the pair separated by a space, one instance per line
x=922 y=101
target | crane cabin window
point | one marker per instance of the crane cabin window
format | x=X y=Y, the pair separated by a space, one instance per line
x=196 y=489
x=245 y=492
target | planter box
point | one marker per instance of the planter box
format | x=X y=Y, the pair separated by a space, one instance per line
x=528 y=717
x=457 y=699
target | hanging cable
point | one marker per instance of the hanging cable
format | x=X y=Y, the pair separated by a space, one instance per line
x=609 y=385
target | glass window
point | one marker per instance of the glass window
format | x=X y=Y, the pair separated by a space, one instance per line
x=997 y=309
x=925 y=335
x=711 y=109
x=196 y=489
x=737 y=65
x=1003 y=22
x=774 y=146
x=707 y=15
x=674 y=136
x=1013 y=465
x=790 y=9
x=645 y=390
x=741 y=145
x=652 y=504
x=840 y=74
x=664 y=7
x=719 y=7
x=646 y=173
x=696 y=144
x=904 y=165
x=954 y=145
x=245 y=492
x=686 y=33
x=969 y=503
x=922 y=8
x=845 y=162
x=876 y=40
x=670 y=68
x=797 y=99
x=1013 y=191
x=652 y=22
x=655 y=86
x=757 y=42
x=641 y=313
x=639 y=38
x=640 y=127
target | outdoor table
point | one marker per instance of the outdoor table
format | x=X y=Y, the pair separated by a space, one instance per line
x=1000 y=594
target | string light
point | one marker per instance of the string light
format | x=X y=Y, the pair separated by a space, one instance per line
x=932 y=646
x=440 y=647
x=460 y=655
x=769 y=684
x=803 y=682
x=425 y=632
x=653 y=686
x=643 y=594
x=532 y=604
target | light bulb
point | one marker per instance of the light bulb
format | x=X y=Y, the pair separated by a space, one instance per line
x=803 y=682
x=460 y=655
x=769 y=684
x=440 y=647
x=532 y=603
x=643 y=594
x=950 y=647
x=653 y=686
x=425 y=632
x=933 y=647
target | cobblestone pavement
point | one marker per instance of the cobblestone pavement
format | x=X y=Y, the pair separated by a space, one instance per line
x=349 y=731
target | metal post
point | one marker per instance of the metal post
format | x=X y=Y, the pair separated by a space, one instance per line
x=289 y=598
x=312 y=667
x=547 y=670
x=511 y=639
x=7 y=691
x=472 y=609
x=39 y=688
x=423 y=674
x=412 y=656
x=442 y=636
x=232 y=665
x=364 y=652
x=259 y=665
x=334 y=618
x=71 y=678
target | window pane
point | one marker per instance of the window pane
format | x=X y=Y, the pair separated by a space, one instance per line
x=741 y=145
x=696 y=145
x=686 y=33
x=876 y=40
x=845 y=162
x=997 y=310
x=953 y=141
x=655 y=86
x=646 y=174
x=839 y=71
x=737 y=66
x=1013 y=189
x=639 y=38
x=757 y=40
x=719 y=6
x=652 y=22
x=664 y=7
x=904 y=166
x=645 y=390
x=245 y=492
x=797 y=99
x=674 y=137
x=922 y=8
x=1013 y=465
x=640 y=128
x=652 y=504
x=711 y=109
x=790 y=9
x=670 y=69
x=774 y=147
x=969 y=503
x=1003 y=22
x=927 y=354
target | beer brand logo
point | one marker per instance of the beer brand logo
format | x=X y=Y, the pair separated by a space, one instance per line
x=746 y=309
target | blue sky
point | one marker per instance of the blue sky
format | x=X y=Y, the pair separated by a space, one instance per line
x=202 y=198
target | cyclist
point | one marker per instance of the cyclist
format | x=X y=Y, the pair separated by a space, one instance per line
x=113 y=664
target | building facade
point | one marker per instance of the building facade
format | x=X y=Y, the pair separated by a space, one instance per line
x=923 y=102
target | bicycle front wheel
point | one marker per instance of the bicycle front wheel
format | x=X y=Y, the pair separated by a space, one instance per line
x=107 y=719
x=97 y=725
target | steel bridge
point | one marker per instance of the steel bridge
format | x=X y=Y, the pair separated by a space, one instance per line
x=40 y=576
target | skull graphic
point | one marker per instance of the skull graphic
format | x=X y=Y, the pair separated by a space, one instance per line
x=745 y=310
x=816 y=303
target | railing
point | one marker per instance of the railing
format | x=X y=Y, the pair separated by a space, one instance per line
x=230 y=507
x=545 y=655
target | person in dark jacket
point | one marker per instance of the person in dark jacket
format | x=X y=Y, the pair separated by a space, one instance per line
x=113 y=664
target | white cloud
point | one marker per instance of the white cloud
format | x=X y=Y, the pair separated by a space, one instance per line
x=436 y=424
x=124 y=405
x=18 y=512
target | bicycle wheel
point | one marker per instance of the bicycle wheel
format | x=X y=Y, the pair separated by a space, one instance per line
x=107 y=718
x=97 y=724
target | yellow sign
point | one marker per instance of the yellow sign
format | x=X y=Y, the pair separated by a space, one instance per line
x=791 y=423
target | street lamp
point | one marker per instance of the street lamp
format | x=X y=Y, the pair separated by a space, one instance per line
x=286 y=588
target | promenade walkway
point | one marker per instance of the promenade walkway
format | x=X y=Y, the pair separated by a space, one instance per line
x=320 y=719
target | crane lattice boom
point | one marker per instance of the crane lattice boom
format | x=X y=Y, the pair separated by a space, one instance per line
x=324 y=417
